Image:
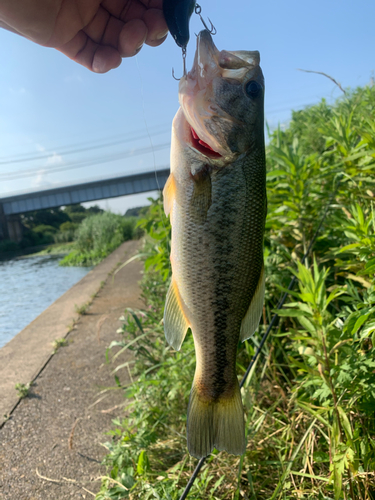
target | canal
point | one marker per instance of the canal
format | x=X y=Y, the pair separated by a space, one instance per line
x=28 y=285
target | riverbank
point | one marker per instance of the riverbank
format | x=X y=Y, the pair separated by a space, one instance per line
x=51 y=249
x=56 y=431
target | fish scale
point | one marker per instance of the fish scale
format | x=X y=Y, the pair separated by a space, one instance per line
x=216 y=196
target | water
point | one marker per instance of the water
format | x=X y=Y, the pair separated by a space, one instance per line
x=28 y=286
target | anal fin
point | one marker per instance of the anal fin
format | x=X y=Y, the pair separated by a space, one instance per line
x=175 y=319
x=251 y=320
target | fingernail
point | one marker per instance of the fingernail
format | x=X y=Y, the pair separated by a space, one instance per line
x=137 y=50
x=99 y=65
x=161 y=35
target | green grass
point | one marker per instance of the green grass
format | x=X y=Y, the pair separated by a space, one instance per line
x=56 y=249
x=57 y=343
x=23 y=389
x=97 y=236
x=310 y=400
x=82 y=309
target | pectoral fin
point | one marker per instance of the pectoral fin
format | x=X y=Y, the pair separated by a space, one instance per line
x=169 y=194
x=251 y=320
x=175 y=319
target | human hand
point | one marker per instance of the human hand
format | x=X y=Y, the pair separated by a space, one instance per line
x=94 y=33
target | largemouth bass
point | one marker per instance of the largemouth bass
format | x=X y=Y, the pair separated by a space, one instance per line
x=216 y=198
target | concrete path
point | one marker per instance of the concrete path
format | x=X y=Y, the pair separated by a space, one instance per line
x=57 y=431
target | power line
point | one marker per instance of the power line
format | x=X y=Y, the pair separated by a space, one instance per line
x=84 y=163
x=293 y=107
x=93 y=145
x=115 y=140
x=85 y=146
x=78 y=150
x=80 y=147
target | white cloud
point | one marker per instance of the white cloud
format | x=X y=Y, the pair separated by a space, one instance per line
x=40 y=148
x=20 y=90
x=54 y=159
x=73 y=79
x=40 y=179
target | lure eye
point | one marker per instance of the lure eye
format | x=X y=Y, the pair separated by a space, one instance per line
x=253 y=88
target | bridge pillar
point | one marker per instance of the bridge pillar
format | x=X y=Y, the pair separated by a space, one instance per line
x=15 y=229
x=10 y=227
x=4 y=235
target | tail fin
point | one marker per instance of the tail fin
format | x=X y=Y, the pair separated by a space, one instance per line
x=217 y=424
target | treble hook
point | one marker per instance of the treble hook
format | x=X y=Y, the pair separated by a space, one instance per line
x=184 y=64
x=198 y=10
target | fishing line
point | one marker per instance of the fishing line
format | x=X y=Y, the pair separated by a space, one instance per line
x=153 y=154
x=267 y=332
x=144 y=119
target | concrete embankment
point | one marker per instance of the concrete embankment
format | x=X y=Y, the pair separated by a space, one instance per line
x=50 y=447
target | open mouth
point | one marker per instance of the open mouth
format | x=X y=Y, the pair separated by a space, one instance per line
x=202 y=146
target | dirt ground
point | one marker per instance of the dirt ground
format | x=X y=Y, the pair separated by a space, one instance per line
x=51 y=447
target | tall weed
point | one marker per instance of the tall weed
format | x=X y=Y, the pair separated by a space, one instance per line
x=97 y=236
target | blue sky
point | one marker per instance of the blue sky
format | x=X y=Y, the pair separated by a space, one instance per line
x=51 y=106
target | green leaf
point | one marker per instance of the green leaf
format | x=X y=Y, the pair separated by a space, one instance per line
x=360 y=322
x=349 y=247
x=315 y=413
x=143 y=464
x=291 y=313
x=307 y=325
x=345 y=423
x=276 y=173
x=333 y=295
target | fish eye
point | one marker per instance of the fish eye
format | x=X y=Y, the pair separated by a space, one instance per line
x=253 y=88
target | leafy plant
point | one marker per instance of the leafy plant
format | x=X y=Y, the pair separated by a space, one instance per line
x=97 y=236
x=57 y=343
x=158 y=229
x=23 y=389
x=82 y=309
x=310 y=399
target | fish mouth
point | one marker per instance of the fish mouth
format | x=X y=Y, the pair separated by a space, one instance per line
x=201 y=146
x=193 y=89
x=209 y=124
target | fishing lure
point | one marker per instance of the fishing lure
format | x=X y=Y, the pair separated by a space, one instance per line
x=177 y=14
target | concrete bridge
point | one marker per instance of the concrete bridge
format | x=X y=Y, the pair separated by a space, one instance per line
x=12 y=206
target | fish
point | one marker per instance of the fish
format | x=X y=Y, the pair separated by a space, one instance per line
x=216 y=198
